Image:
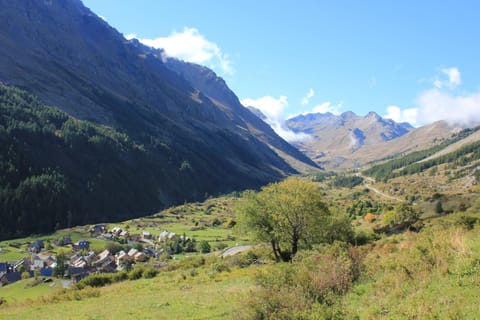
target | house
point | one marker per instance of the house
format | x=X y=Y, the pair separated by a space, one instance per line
x=108 y=236
x=135 y=237
x=164 y=235
x=90 y=257
x=105 y=262
x=124 y=234
x=116 y=231
x=9 y=277
x=132 y=252
x=79 y=263
x=77 y=274
x=46 y=272
x=3 y=267
x=98 y=229
x=171 y=236
x=37 y=246
x=37 y=262
x=140 y=257
x=146 y=235
x=67 y=240
x=81 y=245
x=121 y=257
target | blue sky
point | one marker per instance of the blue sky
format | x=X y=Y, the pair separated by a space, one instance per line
x=409 y=60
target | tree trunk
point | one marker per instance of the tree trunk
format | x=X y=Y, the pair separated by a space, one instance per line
x=294 y=244
x=275 y=251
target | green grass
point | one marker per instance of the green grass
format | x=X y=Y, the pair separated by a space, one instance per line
x=21 y=291
x=434 y=274
x=171 y=295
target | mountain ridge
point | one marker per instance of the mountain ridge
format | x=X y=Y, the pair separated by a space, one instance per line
x=73 y=60
x=335 y=138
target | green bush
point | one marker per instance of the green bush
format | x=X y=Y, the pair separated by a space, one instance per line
x=150 y=273
x=204 y=247
x=467 y=221
x=136 y=273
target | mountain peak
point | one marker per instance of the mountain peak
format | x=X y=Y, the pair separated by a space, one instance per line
x=373 y=115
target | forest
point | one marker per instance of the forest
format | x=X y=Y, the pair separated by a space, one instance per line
x=56 y=171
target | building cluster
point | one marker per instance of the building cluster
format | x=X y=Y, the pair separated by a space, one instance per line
x=82 y=261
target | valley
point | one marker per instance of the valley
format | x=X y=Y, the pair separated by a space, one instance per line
x=135 y=183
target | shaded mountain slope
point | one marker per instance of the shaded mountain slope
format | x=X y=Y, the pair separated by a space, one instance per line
x=71 y=59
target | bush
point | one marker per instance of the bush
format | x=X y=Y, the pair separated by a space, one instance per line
x=467 y=221
x=307 y=287
x=136 y=273
x=95 y=280
x=204 y=247
x=150 y=273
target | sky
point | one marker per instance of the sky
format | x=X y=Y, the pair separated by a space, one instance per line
x=414 y=61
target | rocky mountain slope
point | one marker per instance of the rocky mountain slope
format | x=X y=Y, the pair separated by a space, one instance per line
x=197 y=137
x=336 y=139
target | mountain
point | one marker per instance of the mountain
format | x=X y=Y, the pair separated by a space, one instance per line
x=193 y=136
x=335 y=139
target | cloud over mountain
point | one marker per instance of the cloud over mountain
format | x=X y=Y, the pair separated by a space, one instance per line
x=274 y=111
x=191 y=46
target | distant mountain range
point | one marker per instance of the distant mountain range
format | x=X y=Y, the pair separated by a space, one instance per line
x=195 y=137
x=348 y=140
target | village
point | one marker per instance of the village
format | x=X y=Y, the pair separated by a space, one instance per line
x=76 y=260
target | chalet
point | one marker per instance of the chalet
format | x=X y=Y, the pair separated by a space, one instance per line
x=37 y=262
x=98 y=229
x=3 y=267
x=81 y=245
x=132 y=252
x=79 y=263
x=46 y=272
x=90 y=257
x=121 y=258
x=164 y=235
x=77 y=274
x=116 y=231
x=135 y=237
x=67 y=240
x=108 y=236
x=140 y=257
x=105 y=262
x=37 y=246
x=146 y=235
x=9 y=277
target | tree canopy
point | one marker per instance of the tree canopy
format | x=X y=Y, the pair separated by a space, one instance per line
x=290 y=215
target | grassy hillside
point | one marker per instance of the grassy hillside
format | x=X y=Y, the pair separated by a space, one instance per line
x=431 y=272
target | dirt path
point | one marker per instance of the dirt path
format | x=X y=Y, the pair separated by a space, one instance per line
x=380 y=193
x=234 y=250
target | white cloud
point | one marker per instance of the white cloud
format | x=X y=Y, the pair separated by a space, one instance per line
x=190 y=45
x=435 y=105
x=453 y=79
x=398 y=115
x=274 y=111
x=306 y=99
x=441 y=103
x=327 y=106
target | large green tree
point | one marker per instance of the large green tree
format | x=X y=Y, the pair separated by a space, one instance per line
x=290 y=215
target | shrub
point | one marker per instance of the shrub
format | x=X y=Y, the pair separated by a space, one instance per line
x=204 y=247
x=95 y=280
x=307 y=287
x=467 y=221
x=150 y=273
x=136 y=273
